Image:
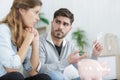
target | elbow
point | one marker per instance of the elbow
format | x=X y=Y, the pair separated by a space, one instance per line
x=11 y=70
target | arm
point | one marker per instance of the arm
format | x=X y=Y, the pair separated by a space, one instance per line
x=35 y=61
x=22 y=52
x=10 y=58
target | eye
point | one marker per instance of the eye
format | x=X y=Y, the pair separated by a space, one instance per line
x=66 y=24
x=58 y=22
x=37 y=12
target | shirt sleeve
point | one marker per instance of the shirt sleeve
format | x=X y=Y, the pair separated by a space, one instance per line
x=93 y=57
x=8 y=56
x=39 y=67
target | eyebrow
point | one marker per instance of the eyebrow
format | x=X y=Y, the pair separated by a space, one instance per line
x=61 y=21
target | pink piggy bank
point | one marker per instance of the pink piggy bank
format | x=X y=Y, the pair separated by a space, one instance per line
x=89 y=69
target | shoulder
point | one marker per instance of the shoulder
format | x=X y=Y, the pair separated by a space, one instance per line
x=5 y=34
x=70 y=45
x=69 y=42
x=43 y=40
x=4 y=28
x=43 y=37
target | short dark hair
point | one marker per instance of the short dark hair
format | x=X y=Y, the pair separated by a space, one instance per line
x=65 y=13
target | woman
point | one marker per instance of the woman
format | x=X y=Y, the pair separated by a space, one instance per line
x=19 y=42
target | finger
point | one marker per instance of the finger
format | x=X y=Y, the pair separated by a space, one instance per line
x=31 y=30
x=35 y=32
x=82 y=57
x=76 y=52
x=94 y=43
x=98 y=44
x=99 y=47
x=26 y=29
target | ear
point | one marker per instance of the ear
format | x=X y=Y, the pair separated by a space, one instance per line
x=51 y=23
x=22 y=11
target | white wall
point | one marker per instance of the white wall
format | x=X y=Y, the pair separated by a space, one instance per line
x=93 y=16
x=4 y=7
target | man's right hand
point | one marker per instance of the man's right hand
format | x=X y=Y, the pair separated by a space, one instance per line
x=74 y=57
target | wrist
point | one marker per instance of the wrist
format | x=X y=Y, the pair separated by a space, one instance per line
x=35 y=42
x=33 y=73
x=94 y=57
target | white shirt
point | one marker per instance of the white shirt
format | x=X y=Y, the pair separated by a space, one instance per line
x=8 y=52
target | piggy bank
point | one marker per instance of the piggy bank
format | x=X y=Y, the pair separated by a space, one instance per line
x=90 y=69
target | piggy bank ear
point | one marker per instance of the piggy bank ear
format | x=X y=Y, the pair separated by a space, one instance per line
x=105 y=68
x=80 y=66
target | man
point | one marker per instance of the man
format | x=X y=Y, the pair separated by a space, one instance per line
x=56 y=53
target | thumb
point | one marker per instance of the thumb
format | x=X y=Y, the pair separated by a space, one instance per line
x=83 y=56
x=76 y=52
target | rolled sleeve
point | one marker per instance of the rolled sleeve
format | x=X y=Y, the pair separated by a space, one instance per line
x=8 y=54
x=12 y=62
x=39 y=66
x=27 y=65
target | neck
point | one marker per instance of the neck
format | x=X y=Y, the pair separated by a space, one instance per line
x=57 y=41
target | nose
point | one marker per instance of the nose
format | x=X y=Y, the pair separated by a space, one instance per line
x=61 y=26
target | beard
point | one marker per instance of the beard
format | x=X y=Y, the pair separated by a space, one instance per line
x=59 y=34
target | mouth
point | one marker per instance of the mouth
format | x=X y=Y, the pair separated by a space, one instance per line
x=34 y=23
x=59 y=31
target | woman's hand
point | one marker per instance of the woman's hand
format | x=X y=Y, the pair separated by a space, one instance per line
x=28 y=35
x=28 y=38
x=34 y=59
x=36 y=35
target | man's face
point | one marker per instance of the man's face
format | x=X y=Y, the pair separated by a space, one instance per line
x=60 y=27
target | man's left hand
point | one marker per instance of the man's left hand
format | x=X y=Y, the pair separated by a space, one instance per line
x=97 y=49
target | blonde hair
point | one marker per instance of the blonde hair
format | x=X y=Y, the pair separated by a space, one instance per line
x=14 y=19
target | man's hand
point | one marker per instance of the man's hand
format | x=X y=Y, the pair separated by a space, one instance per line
x=74 y=57
x=97 y=49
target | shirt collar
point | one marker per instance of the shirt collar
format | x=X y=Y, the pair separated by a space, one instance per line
x=50 y=39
